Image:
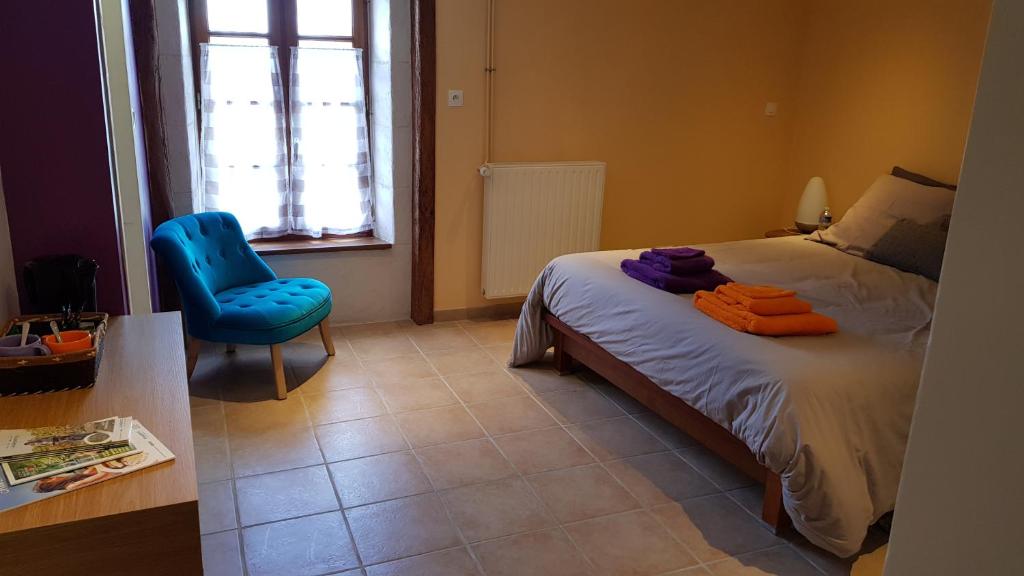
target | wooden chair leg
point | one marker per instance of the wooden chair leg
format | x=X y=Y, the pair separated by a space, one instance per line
x=325 y=335
x=275 y=357
x=772 y=511
x=229 y=348
x=194 y=346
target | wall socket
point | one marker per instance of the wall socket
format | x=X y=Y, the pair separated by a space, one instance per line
x=455 y=98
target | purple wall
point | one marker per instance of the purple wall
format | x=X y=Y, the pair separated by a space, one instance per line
x=53 y=141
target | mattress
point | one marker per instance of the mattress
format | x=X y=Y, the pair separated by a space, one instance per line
x=829 y=414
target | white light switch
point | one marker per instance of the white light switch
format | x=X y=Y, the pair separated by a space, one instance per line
x=455 y=98
x=770 y=109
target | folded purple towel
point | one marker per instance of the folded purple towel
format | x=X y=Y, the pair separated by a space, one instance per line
x=706 y=280
x=677 y=266
x=678 y=253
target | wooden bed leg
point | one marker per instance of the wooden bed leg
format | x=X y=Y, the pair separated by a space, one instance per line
x=563 y=362
x=772 y=511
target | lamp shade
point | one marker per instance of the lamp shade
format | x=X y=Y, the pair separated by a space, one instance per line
x=812 y=204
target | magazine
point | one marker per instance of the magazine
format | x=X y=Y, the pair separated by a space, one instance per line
x=16 y=444
x=43 y=465
x=152 y=452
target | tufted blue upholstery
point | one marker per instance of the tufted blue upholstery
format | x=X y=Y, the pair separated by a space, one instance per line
x=228 y=293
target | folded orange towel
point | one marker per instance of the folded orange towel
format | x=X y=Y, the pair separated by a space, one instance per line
x=753 y=291
x=737 y=317
x=713 y=306
x=771 y=306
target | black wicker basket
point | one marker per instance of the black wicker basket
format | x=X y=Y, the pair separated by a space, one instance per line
x=38 y=374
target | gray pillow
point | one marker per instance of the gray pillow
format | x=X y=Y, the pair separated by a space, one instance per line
x=886 y=202
x=920 y=178
x=912 y=247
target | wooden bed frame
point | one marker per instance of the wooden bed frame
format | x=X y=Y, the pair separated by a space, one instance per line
x=572 y=346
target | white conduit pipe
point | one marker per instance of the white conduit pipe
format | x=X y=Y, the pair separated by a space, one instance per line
x=489 y=85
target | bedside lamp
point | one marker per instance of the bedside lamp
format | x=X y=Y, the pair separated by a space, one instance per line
x=812 y=204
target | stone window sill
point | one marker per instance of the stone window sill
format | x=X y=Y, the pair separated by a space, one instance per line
x=281 y=246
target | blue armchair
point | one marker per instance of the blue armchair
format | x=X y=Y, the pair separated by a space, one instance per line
x=230 y=295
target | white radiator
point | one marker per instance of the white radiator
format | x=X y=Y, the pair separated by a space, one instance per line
x=533 y=213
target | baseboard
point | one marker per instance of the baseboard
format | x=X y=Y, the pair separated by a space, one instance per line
x=503 y=311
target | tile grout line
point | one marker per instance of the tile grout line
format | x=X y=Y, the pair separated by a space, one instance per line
x=239 y=529
x=785 y=541
x=643 y=507
x=231 y=471
x=234 y=488
x=723 y=491
x=518 y=474
x=459 y=401
x=804 y=557
x=330 y=475
x=472 y=484
x=465 y=544
x=444 y=504
x=693 y=554
x=300 y=397
x=559 y=524
x=669 y=449
x=559 y=527
x=419 y=462
x=564 y=426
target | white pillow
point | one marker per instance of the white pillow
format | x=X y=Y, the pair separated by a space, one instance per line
x=884 y=203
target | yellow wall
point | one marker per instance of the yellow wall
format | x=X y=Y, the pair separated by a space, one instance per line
x=671 y=94
x=884 y=83
x=458 y=209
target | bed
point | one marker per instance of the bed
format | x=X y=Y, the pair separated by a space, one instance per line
x=822 y=421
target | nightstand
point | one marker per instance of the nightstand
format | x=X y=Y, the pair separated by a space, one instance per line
x=780 y=232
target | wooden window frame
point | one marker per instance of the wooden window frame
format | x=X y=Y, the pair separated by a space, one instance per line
x=282 y=31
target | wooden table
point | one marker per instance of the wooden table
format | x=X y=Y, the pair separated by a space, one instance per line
x=144 y=523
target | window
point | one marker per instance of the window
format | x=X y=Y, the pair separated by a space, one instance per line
x=284 y=130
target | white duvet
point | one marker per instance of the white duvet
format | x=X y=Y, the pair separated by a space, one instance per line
x=830 y=414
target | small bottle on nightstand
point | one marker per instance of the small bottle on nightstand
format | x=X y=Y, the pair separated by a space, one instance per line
x=825 y=220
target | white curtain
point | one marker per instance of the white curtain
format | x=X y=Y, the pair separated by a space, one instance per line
x=330 y=170
x=244 y=154
x=325 y=188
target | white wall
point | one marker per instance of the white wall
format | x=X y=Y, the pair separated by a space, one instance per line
x=960 y=508
x=8 y=280
x=124 y=123
x=368 y=286
x=391 y=123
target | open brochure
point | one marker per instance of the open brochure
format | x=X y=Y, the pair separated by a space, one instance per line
x=152 y=452
x=106 y=433
x=43 y=465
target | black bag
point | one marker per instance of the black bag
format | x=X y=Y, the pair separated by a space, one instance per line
x=61 y=284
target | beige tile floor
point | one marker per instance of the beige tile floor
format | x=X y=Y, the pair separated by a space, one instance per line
x=414 y=451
